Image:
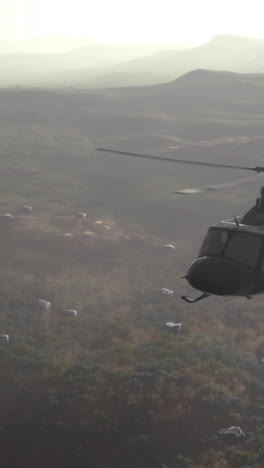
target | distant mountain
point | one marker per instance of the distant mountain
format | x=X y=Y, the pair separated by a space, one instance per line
x=246 y=87
x=202 y=78
x=25 y=68
x=221 y=53
x=108 y=65
x=229 y=53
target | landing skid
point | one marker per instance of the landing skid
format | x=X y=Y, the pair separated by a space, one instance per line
x=191 y=301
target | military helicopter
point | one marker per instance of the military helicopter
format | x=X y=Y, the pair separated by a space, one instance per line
x=231 y=258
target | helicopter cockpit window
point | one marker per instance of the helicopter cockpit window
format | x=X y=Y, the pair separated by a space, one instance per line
x=244 y=248
x=214 y=242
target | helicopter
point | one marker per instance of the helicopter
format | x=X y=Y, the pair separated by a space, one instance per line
x=231 y=259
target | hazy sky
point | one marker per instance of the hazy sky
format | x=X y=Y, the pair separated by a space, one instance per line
x=122 y=21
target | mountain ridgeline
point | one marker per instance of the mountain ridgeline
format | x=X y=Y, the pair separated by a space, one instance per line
x=90 y=64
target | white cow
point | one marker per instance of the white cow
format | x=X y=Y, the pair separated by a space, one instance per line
x=178 y=326
x=169 y=247
x=80 y=214
x=27 y=208
x=4 y=339
x=45 y=305
x=167 y=292
x=71 y=312
x=8 y=216
x=235 y=430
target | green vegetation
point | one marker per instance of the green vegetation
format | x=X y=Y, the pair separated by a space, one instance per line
x=114 y=386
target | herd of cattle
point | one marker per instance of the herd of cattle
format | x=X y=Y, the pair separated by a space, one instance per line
x=7 y=219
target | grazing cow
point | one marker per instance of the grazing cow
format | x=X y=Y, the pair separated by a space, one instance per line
x=234 y=430
x=70 y=312
x=167 y=292
x=4 y=339
x=27 y=209
x=81 y=215
x=177 y=326
x=169 y=247
x=7 y=222
x=44 y=305
x=8 y=216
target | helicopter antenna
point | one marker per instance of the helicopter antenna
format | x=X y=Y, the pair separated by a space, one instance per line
x=236 y=221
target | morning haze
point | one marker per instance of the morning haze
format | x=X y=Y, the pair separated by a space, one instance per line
x=102 y=364
x=84 y=63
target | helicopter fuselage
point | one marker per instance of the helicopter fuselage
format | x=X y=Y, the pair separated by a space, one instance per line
x=231 y=260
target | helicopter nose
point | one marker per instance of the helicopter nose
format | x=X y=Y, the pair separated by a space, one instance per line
x=220 y=276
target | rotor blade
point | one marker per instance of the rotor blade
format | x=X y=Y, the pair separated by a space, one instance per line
x=182 y=161
x=214 y=188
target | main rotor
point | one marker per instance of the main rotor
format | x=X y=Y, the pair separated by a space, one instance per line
x=192 y=191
